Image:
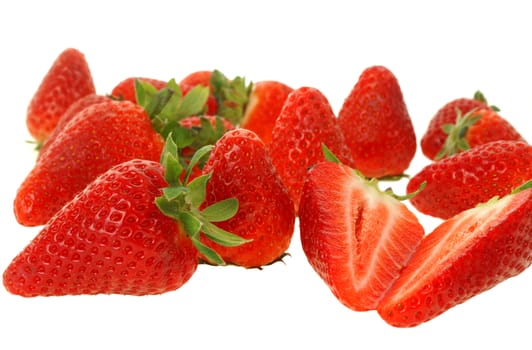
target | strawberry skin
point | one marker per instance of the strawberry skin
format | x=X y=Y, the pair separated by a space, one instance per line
x=265 y=103
x=305 y=122
x=463 y=257
x=376 y=124
x=240 y=167
x=465 y=179
x=68 y=79
x=433 y=139
x=99 y=137
x=111 y=239
x=355 y=237
x=125 y=89
x=491 y=127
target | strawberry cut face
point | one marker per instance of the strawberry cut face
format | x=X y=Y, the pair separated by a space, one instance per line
x=355 y=237
x=464 y=256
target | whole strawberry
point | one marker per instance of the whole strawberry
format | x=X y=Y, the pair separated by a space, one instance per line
x=462 y=181
x=376 y=125
x=239 y=166
x=356 y=237
x=433 y=139
x=476 y=128
x=265 y=103
x=136 y=229
x=305 y=123
x=464 y=256
x=111 y=239
x=68 y=79
x=99 y=137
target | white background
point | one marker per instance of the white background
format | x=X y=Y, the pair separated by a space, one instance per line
x=438 y=53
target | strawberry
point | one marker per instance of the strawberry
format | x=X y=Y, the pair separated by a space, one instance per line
x=100 y=136
x=68 y=79
x=125 y=89
x=239 y=166
x=476 y=128
x=201 y=78
x=305 y=122
x=265 y=103
x=130 y=231
x=70 y=113
x=465 y=179
x=464 y=256
x=356 y=237
x=376 y=124
x=434 y=137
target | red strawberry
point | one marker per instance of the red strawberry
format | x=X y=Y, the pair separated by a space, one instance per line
x=357 y=238
x=100 y=136
x=111 y=238
x=71 y=112
x=465 y=179
x=125 y=89
x=463 y=257
x=434 y=137
x=376 y=124
x=240 y=167
x=68 y=79
x=134 y=230
x=305 y=123
x=201 y=78
x=265 y=103
x=476 y=128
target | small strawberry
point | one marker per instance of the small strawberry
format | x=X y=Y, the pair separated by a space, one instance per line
x=133 y=230
x=376 y=124
x=476 y=128
x=434 y=137
x=239 y=166
x=265 y=103
x=471 y=177
x=464 y=256
x=305 y=122
x=68 y=79
x=125 y=89
x=356 y=237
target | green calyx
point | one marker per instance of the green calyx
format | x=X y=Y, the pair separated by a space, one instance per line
x=456 y=133
x=166 y=107
x=479 y=96
x=182 y=200
x=232 y=96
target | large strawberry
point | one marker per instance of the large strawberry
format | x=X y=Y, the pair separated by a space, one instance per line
x=134 y=230
x=100 y=136
x=305 y=123
x=434 y=137
x=477 y=127
x=265 y=103
x=465 y=179
x=376 y=124
x=463 y=257
x=240 y=166
x=355 y=236
x=68 y=79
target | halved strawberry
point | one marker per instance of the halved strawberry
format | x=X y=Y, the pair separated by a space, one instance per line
x=464 y=256
x=356 y=237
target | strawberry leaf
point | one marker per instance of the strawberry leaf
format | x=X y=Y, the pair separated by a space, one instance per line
x=232 y=96
x=222 y=237
x=221 y=211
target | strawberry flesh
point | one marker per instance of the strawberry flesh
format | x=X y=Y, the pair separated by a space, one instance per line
x=355 y=237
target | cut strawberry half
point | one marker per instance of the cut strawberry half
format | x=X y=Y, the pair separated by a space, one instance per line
x=356 y=237
x=464 y=256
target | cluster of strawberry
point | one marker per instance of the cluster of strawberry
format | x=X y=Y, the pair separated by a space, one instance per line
x=135 y=188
